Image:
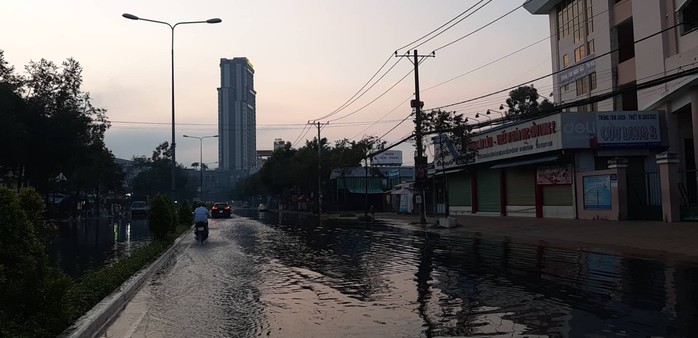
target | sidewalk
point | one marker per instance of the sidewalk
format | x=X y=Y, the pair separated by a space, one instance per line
x=674 y=242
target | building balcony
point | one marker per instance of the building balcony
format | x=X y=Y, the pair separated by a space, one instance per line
x=626 y=72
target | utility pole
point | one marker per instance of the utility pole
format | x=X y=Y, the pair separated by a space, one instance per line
x=420 y=162
x=319 y=125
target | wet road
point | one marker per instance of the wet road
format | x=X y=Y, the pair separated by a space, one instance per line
x=298 y=278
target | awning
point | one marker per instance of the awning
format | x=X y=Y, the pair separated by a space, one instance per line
x=525 y=162
x=448 y=171
x=362 y=190
x=402 y=191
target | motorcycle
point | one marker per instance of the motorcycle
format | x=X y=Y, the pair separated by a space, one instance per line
x=201 y=232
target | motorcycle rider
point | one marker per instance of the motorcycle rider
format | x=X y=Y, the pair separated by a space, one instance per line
x=201 y=214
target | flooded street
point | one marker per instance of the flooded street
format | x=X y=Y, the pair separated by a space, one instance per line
x=262 y=276
x=95 y=243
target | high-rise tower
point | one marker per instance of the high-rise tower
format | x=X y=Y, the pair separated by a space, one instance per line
x=237 y=147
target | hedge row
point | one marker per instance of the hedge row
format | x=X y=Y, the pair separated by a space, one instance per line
x=37 y=300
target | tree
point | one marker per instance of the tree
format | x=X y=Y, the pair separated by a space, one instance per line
x=449 y=127
x=156 y=175
x=46 y=112
x=524 y=101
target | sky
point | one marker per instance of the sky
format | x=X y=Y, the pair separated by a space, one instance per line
x=309 y=56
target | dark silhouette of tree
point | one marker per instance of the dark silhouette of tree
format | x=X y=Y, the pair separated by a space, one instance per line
x=50 y=126
x=155 y=176
x=524 y=101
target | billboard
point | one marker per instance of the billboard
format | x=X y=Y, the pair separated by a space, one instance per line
x=388 y=157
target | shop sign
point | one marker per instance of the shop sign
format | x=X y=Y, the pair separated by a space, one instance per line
x=597 y=192
x=576 y=72
x=555 y=174
x=388 y=157
x=527 y=138
x=627 y=129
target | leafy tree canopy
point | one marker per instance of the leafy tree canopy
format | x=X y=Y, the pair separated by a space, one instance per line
x=525 y=101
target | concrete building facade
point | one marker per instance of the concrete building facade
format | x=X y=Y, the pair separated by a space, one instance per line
x=602 y=46
x=237 y=109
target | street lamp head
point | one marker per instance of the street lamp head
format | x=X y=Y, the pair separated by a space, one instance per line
x=214 y=20
x=129 y=16
x=501 y=106
x=215 y=135
x=186 y=136
x=477 y=115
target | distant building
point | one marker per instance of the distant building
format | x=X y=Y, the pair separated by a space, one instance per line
x=237 y=108
x=279 y=144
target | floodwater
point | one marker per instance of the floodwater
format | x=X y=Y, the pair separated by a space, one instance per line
x=94 y=243
x=295 y=277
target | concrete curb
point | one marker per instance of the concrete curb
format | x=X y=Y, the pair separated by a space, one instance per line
x=94 y=321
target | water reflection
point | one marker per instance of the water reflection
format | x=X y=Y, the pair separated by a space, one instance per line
x=95 y=242
x=467 y=286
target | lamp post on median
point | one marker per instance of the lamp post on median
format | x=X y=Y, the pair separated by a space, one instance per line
x=172 y=28
x=201 y=162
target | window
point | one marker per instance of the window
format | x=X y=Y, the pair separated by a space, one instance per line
x=626 y=41
x=579 y=53
x=689 y=17
x=565 y=61
x=586 y=84
x=592 y=81
x=574 y=17
x=590 y=47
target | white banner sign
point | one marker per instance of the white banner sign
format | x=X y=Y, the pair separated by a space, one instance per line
x=389 y=157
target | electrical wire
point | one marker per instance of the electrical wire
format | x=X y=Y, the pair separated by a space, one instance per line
x=459 y=21
x=442 y=26
x=553 y=73
x=482 y=27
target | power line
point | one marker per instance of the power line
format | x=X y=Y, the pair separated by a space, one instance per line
x=376 y=99
x=553 y=73
x=459 y=21
x=349 y=101
x=432 y=32
x=482 y=27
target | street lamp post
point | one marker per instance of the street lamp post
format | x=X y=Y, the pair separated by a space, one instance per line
x=201 y=162
x=172 y=28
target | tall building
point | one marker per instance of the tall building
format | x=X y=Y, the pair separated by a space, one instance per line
x=279 y=144
x=600 y=46
x=237 y=147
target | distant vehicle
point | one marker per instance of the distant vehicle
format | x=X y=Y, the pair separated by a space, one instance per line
x=262 y=207
x=139 y=209
x=221 y=209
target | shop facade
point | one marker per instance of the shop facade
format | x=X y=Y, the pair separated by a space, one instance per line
x=593 y=165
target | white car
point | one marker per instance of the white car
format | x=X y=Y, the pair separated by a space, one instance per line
x=262 y=207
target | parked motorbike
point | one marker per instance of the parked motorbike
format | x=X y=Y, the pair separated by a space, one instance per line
x=201 y=232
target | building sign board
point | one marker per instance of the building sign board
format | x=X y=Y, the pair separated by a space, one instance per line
x=627 y=129
x=526 y=138
x=554 y=174
x=570 y=130
x=576 y=72
x=388 y=157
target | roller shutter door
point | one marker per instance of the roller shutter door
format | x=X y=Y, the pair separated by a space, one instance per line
x=488 y=196
x=557 y=195
x=459 y=193
x=521 y=186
